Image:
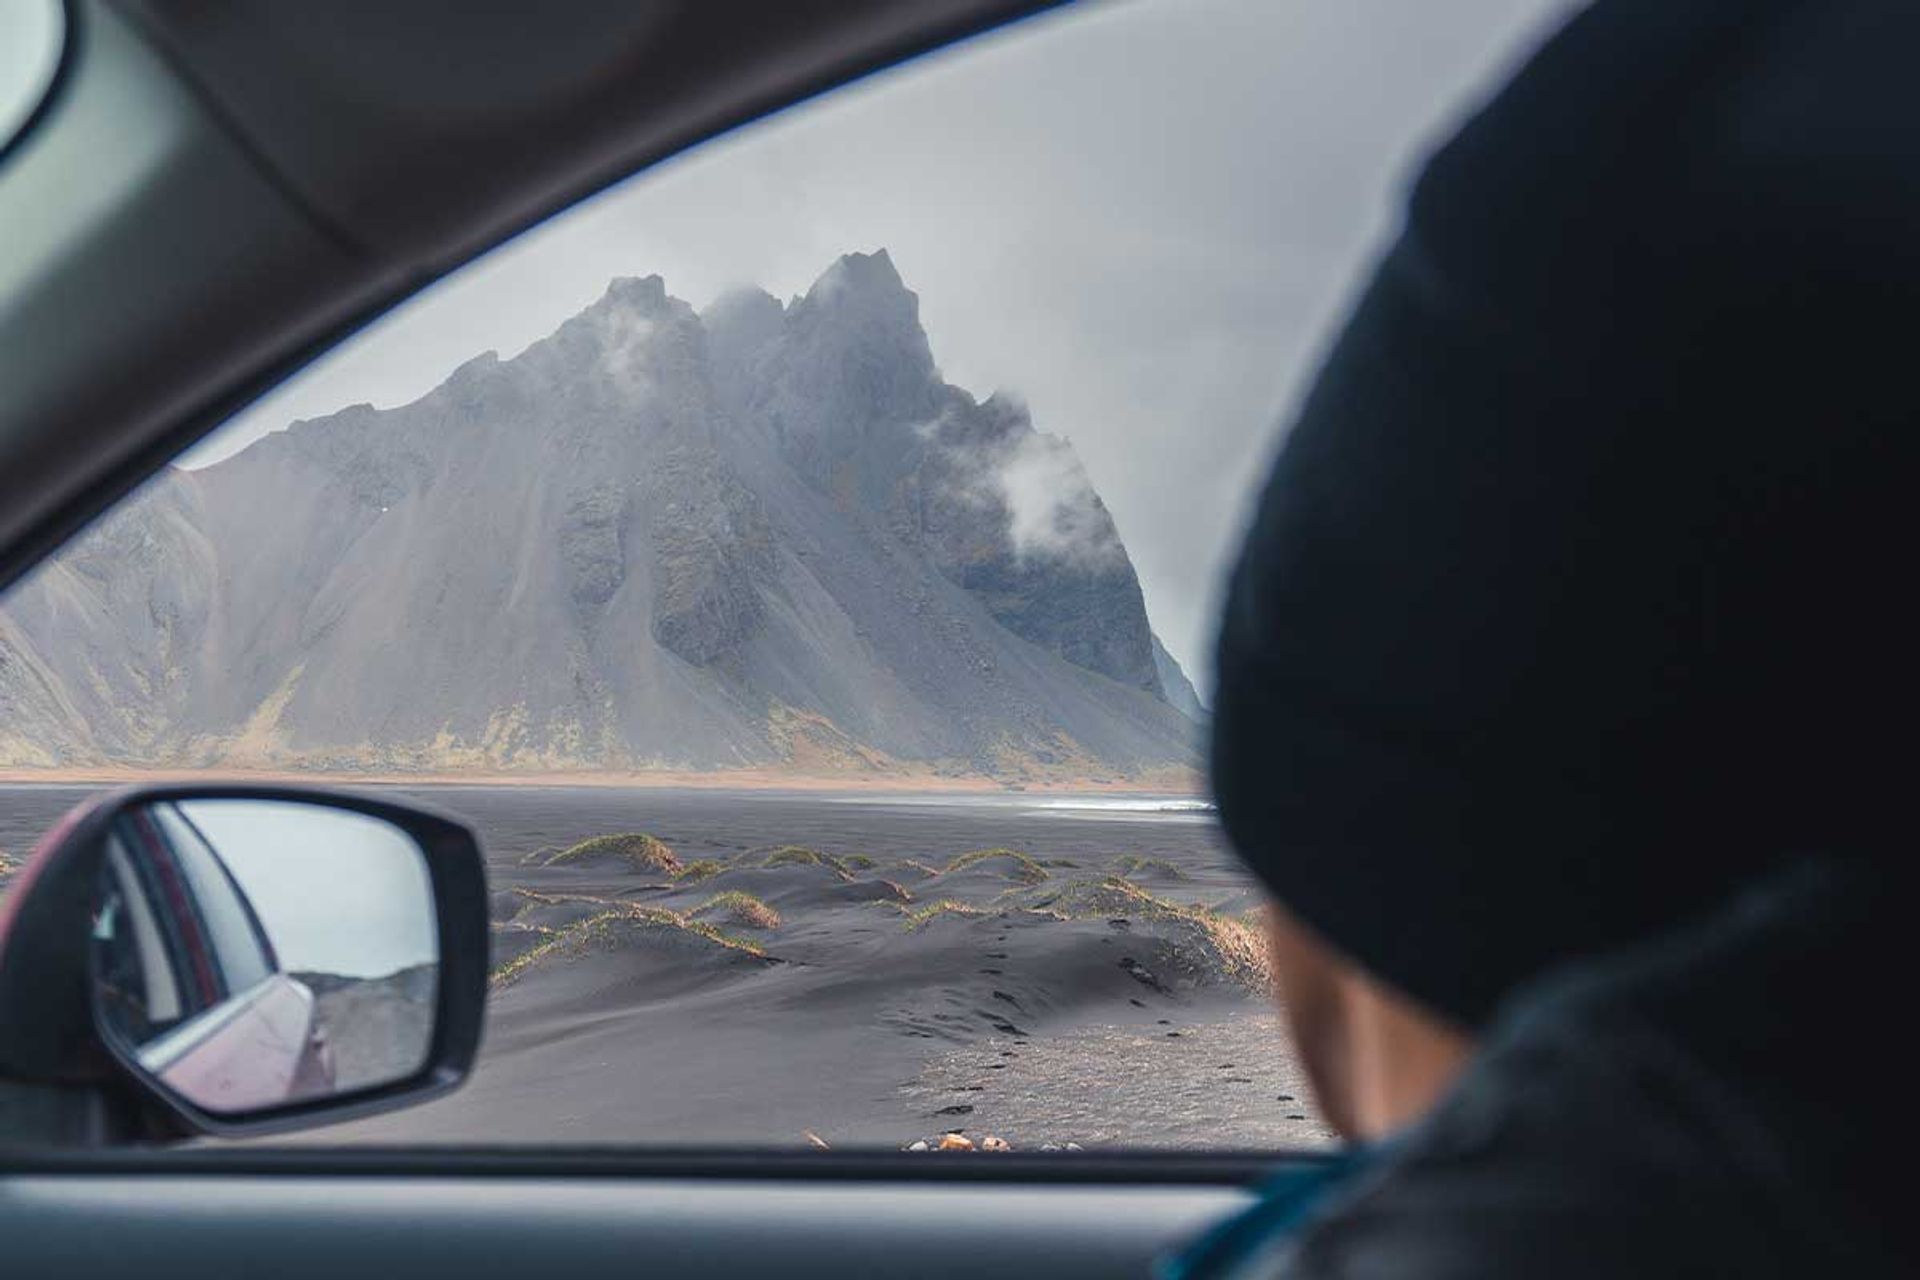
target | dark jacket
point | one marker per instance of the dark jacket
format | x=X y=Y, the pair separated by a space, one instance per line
x=1576 y=612
x=1727 y=1102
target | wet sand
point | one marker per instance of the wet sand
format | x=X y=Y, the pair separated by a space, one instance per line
x=1101 y=989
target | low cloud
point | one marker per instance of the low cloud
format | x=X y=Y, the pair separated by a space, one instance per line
x=1052 y=510
x=623 y=357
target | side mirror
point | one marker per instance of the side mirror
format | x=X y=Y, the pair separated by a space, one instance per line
x=241 y=960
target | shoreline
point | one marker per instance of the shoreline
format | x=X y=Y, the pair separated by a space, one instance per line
x=1181 y=784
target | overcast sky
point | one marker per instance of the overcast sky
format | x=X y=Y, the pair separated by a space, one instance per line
x=1142 y=217
x=336 y=891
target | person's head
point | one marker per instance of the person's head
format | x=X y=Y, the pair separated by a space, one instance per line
x=1377 y=1060
x=1560 y=620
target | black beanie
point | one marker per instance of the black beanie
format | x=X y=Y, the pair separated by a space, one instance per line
x=1577 y=596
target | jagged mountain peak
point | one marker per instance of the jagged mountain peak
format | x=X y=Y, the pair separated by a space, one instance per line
x=755 y=535
x=628 y=313
x=861 y=287
x=861 y=273
x=861 y=299
x=643 y=293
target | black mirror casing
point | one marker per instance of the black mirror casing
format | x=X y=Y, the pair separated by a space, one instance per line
x=49 y=1035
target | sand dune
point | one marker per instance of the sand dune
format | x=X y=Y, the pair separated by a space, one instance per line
x=988 y=967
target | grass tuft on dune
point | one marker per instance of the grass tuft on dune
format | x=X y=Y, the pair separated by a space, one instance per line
x=1110 y=896
x=699 y=869
x=740 y=908
x=638 y=850
x=1133 y=864
x=1018 y=866
x=933 y=910
x=1234 y=945
x=799 y=855
x=552 y=899
x=602 y=932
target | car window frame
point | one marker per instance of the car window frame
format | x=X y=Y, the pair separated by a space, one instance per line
x=1212 y=1167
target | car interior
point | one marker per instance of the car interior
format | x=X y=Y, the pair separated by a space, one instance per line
x=205 y=198
x=573 y=695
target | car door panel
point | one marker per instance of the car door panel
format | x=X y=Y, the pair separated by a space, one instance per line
x=298 y=1226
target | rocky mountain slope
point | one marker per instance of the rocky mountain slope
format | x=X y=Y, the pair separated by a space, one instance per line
x=764 y=536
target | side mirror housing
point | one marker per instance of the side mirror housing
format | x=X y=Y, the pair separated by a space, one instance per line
x=238 y=960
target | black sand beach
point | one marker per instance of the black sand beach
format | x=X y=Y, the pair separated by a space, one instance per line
x=855 y=967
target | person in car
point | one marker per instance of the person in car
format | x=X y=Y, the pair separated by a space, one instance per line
x=1564 y=677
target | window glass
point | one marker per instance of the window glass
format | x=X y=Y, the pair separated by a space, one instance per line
x=798 y=562
x=238 y=942
x=31 y=35
x=134 y=958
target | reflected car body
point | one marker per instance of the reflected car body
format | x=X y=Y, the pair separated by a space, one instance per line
x=257 y=1049
x=195 y=986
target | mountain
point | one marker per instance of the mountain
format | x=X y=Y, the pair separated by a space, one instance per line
x=1174 y=683
x=769 y=536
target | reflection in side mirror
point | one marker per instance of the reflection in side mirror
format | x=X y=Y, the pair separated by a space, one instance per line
x=253 y=953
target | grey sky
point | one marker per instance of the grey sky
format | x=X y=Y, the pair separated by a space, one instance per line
x=1141 y=217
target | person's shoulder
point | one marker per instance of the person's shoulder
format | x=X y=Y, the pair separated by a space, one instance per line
x=1681 y=1110
x=1551 y=1159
